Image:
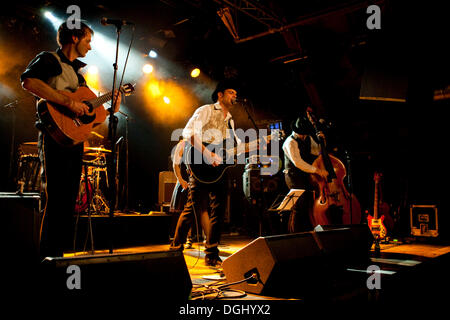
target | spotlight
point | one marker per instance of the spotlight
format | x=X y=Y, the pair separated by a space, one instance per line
x=148 y=68
x=93 y=70
x=152 y=54
x=195 y=73
x=56 y=22
x=166 y=100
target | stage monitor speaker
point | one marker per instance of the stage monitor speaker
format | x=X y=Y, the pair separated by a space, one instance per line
x=161 y=275
x=297 y=264
x=283 y=265
x=358 y=237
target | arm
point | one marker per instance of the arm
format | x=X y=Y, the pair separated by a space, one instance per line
x=193 y=132
x=293 y=153
x=42 y=90
x=178 y=154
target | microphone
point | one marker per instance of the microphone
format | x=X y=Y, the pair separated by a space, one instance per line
x=115 y=22
x=240 y=100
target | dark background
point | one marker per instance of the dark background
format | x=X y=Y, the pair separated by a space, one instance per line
x=404 y=140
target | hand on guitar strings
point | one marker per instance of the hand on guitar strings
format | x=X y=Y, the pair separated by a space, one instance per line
x=213 y=159
x=78 y=108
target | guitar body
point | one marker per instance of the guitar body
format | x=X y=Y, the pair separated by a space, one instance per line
x=204 y=171
x=201 y=168
x=63 y=125
x=332 y=193
x=377 y=227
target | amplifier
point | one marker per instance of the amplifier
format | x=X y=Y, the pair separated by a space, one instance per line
x=424 y=220
x=167 y=182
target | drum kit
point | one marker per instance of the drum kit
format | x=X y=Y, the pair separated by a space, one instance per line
x=90 y=195
x=94 y=177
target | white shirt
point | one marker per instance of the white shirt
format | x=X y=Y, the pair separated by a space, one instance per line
x=209 y=124
x=291 y=150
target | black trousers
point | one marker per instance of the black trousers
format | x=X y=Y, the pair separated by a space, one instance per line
x=61 y=172
x=207 y=201
x=299 y=218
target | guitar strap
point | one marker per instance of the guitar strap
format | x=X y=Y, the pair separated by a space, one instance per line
x=232 y=130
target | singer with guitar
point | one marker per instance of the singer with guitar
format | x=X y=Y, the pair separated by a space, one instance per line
x=52 y=77
x=209 y=124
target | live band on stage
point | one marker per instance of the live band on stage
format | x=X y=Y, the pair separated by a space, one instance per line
x=269 y=203
x=282 y=162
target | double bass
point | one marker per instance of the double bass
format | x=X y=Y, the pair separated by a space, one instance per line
x=331 y=192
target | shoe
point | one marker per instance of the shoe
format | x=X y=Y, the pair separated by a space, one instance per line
x=213 y=261
x=188 y=245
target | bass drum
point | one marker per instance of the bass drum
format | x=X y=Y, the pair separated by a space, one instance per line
x=82 y=199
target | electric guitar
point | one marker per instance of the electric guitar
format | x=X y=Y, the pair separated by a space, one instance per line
x=376 y=225
x=64 y=126
x=203 y=170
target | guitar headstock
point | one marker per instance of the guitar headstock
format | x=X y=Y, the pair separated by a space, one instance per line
x=377 y=176
x=127 y=89
x=275 y=135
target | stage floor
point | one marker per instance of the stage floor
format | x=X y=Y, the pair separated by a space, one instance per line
x=406 y=268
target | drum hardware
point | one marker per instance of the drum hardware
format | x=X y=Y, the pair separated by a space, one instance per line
x=90 y=181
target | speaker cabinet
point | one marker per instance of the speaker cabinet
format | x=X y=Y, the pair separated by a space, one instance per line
x=20 y=225
x=154 y=275
x=283 y=264
x=297 y=264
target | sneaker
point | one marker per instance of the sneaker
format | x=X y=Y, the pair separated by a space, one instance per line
x=213 y=261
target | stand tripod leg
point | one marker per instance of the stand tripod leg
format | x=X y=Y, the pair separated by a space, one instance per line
x=89 y=200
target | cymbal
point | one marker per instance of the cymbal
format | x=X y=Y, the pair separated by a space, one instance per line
x=99 y=149
x=31 y=143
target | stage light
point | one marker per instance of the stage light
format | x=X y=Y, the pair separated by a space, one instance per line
x=148 y=68
x=166 y=100
x=195 y=73
x=93 y=70
x=152 y=54
x=56 y=22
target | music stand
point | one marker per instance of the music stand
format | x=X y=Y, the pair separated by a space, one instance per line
x=289 y=200
x=287 y=203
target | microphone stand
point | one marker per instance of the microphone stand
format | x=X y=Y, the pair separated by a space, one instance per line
x=261 y=205
x=127 y=118
x=350 y=182
x=111 y=160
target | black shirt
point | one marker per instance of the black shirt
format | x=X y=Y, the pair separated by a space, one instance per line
x=45 y=66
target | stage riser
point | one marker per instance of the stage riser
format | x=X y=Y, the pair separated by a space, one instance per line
x=127 y=231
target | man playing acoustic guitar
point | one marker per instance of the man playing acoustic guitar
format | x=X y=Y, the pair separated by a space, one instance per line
x=46 y=76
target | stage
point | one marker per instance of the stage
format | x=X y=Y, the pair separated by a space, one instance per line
x=412 y=270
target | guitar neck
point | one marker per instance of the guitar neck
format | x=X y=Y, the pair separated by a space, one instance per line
x=375 y=202
x=249 y=146
x=100 y=100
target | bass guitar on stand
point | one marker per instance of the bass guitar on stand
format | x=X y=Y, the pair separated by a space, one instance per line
x=381 y=222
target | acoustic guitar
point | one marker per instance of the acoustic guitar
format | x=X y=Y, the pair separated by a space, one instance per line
x=204 y=172
x=64 y=126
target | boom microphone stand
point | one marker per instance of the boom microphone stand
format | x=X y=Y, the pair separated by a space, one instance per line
x=111 y=160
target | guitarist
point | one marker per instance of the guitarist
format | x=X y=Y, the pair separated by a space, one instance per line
x=46 y=75
x=300 y=150
x=209 y=124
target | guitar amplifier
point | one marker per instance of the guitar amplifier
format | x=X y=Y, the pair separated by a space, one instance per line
x=424 y=220
x=167 y=182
